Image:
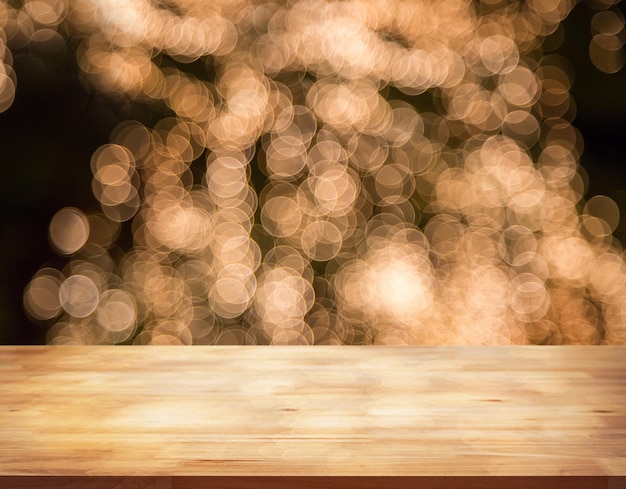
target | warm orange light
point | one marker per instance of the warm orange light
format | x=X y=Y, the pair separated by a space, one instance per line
x=291 y=197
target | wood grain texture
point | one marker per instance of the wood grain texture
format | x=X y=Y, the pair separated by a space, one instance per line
x=313 y=411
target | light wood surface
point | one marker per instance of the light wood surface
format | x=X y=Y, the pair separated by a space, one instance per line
x=313 y=411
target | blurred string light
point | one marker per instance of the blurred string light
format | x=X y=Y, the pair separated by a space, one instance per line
x=462 y=222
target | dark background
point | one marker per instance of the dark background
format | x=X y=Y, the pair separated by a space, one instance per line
x=48 y=135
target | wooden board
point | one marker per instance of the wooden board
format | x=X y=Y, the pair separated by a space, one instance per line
x=313 y=411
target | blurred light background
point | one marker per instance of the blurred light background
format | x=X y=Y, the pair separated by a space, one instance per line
x=66 y=107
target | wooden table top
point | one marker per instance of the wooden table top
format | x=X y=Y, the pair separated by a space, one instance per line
x=315 y=411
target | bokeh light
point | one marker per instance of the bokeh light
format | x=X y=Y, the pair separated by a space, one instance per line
x=355 y=172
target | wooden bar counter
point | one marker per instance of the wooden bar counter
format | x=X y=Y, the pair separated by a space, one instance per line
x=191 y=417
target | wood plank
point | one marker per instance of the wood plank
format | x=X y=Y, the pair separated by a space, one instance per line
x=313 y=411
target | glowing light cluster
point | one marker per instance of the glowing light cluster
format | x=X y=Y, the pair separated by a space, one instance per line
x=295 y=196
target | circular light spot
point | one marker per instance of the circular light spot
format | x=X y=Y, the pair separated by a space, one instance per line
x=394 y=184
x=607 y=53
x=281 y=216
x=79 y=296
x=605 y=208
x=41 y=296
x=321 y=240
x=528 y=297
x=607 y=22
x=69 y=230
x=519 y=86
x=116 y=311
x=521 y=126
